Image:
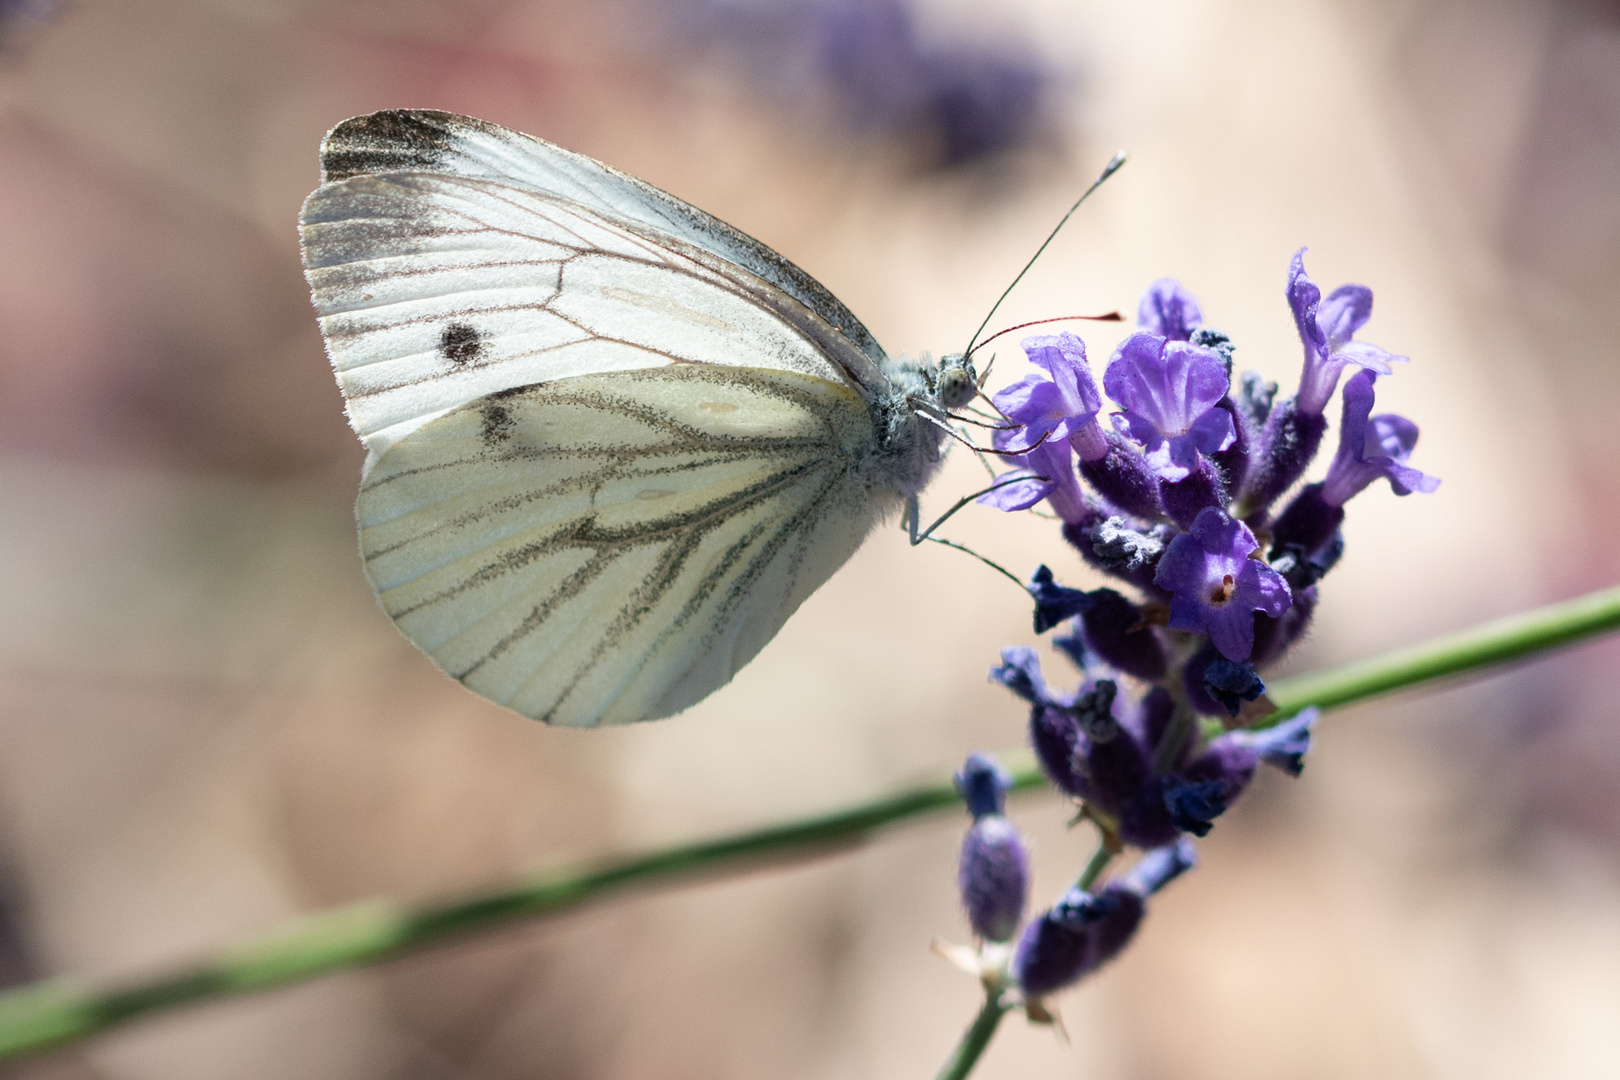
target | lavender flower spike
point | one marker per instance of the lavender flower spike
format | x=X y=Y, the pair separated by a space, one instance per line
x=1372 y=447
x=1168 y=390
x=1168 y=310
x=1327 y=329
x=1217 y=587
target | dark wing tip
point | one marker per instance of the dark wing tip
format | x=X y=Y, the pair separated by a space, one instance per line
x=390 y=141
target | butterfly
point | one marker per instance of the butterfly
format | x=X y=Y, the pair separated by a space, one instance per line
x=612 y=443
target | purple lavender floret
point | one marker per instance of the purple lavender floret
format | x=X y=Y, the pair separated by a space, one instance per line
x=1052 y=413
x=1372 y=447
x=993 y=870
x=1168 y=390
x=1168 y=310
x=1327 y=329
x=1083 y=930
x=1217 y=587
x=1284 y=745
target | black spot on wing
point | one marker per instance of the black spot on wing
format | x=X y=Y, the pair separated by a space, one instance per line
x=398 y=139
x=498 y=424
x=461 y=343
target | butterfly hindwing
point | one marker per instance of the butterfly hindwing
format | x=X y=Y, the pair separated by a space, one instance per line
x=613 y=547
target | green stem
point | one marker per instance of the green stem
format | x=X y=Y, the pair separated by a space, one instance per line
x=1496 y=642
x=1099 y=862
x=56 y=1012
x=976 y=1037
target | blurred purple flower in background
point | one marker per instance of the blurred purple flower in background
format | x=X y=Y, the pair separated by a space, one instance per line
x=962 y=101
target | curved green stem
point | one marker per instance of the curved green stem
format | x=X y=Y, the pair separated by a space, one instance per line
x=57 y=1012
x=1497 y=642
x=976 y=1037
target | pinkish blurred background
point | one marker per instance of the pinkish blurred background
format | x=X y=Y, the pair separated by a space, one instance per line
x=207 y=726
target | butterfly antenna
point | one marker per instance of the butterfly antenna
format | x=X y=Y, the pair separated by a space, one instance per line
x=1110 y=169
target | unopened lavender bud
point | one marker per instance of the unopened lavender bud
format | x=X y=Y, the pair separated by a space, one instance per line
x=1114 y=546
x=1054 y=603
x=1286 y=447
x=1122 y=476
x=993 y=871
x=1254 y=398
x=1114 y=631
x=1233 y=462
x=1074 y=938
x=1231 y=683
x=1203 y=488
x=1083 y=931
x=983 y=785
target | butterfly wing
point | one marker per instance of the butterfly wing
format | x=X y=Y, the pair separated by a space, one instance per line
x=422 y=140
x=609 y=548
x=605 y=462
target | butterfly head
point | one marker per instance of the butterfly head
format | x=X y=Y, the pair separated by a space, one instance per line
x=956 y=383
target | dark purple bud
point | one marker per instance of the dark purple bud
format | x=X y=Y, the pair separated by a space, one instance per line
x=1054 y=603
x=1307 y=523
x=1083 y=931
x=1146 y=820
x=1192 y=680
x=1114 y=630
x=1150 y=718
x=993 y=877
x=983 y=785
x=1287 y=445
x=1055 y=736
x=1094 y=711
x=1195 y=804
x=1122 y=476
x=1231 y=683
x=1201 y=489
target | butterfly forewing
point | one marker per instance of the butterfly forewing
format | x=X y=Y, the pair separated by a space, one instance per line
x=609 y=548
x=434 y=291
x=420 y=140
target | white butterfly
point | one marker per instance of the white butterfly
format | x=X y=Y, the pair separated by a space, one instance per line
x=613 y=443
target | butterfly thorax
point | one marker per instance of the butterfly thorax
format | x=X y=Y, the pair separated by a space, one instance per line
x=911 y=416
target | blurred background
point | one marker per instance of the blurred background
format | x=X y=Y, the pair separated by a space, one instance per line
x=208 y=727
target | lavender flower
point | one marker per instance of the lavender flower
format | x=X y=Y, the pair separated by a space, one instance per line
x=1327 y=329
x=1168 y=390
x=1373 y=447
x=1083 y=931
x=1217 y=587
x=1053 y=413
x=1168 y=310
x=993 y=870
x=1311 y=521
